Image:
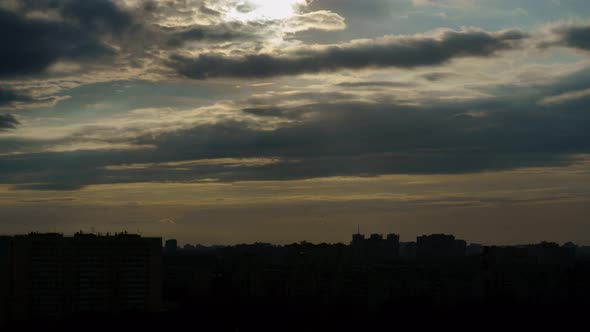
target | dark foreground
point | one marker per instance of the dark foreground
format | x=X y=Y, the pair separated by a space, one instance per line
x=330 y=288
x=310 y=315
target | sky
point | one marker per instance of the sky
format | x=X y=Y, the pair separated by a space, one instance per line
x=231 y=121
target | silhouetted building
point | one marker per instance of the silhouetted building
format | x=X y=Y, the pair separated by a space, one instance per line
x=507 y=255
x=53 y=276
x=439 y=246
x=358 y=245
x=171 y=245
x=583 y=252
x=392 y=244
x=407 y=249
x=474 y=249
x=375 y=247
x=357 y=239
x=571 y=249
x=376 y=237
x=550 y=253
x=5 y=278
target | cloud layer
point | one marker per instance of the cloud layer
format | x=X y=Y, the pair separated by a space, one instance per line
x=8 y=121
x=343 y=137
x=392 y=51
x=31 y=45
x=283 y=98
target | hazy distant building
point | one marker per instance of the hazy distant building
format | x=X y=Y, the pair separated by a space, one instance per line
x=53 y=276
x=439 y=246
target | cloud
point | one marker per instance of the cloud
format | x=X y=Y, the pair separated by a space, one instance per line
x=178 y=36
x=8 y=121
x=392 y=51
x=8 y=97
x=267 y=111
x=337 y=137
x=100 y=16
x=166 y=222
x=318 y=20
x=50 y=200
x=31 y=45
x=48 y=186
x=442 y=2
x=565 y=97
x=352 y=9
x=357 y=124
x=54 y=45
x=14 y=100
x=382 y=84
x=575 y=36
x=437 y=76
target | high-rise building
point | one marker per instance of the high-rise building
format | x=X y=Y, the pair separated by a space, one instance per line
x=375 y=247
x=392 y=244
x=357 y=239
x=376 y=237
x=39 y=276
x=407 y=249
x=5 y=278
x=358 y=244
x=53 y=276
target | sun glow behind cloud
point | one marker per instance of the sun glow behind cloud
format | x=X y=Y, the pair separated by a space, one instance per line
x=251 y=10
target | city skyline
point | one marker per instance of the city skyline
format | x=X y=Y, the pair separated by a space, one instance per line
x=356 y=236
x=60 y=282
x=241 y=121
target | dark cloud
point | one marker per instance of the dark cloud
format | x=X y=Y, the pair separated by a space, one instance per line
x=574 y=36
x=434 y=77
x=403 y=52
x=8 y=97
x=50 y=200
x=266 y=111
x=99 y=15
x=8 y=121
x=212 y=33
x=29 y=46
x=48 y=187
x=100 y=32
x=369 y=84
x=245 y=7
x=208 y=11
x=332 y=134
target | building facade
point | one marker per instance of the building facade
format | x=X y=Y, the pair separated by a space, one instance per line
x=52 y=276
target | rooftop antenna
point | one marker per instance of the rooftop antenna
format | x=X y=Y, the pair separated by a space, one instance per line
x=358 y=229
